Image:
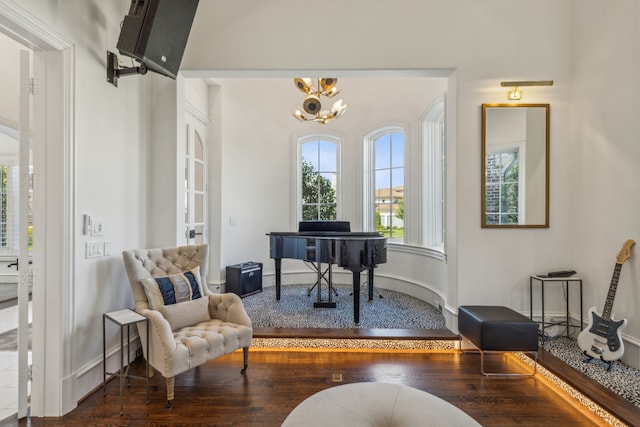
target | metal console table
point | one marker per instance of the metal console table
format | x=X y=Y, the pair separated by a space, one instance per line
x=124 y=319
x=555 y=280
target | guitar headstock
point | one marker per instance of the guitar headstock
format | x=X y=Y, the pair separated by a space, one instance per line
x=625 y=251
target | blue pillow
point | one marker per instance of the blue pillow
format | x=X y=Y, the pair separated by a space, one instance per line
x=173 y=289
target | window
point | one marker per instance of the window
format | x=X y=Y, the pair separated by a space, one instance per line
x=384 y=210
x=502 y=185
x=404 y=194
x=433 y=168
x=318 y=178
x=9 y=193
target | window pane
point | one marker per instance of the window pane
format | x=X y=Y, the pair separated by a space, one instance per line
x=199 y=149
x=199 y=234
x=397 y=150
x=198 y=207
x=319 y=161
x=199 y=176
x=382 y=152
x=327 y=157
x=326 y=188
x=310 y=153
x=309 y=212
x=383 y=183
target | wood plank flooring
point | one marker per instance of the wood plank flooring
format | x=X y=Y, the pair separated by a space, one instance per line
x=216 y=394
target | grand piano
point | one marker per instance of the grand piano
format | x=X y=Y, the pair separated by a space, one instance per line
x=330 y=242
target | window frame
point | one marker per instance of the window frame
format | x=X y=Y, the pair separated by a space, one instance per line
x=433 y=187
x=299 y=141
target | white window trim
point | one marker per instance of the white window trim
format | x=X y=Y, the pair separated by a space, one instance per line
x=298 y=141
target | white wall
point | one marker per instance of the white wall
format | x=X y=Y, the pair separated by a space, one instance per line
x=605 y=156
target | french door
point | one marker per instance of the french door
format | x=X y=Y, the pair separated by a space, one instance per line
x=195 y=182
x=24 y=198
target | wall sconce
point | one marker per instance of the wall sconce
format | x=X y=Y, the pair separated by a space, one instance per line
x=516 y=94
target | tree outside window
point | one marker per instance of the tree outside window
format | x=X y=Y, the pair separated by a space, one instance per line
x=319 y=179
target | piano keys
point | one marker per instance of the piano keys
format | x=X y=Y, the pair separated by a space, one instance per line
x=354 y=251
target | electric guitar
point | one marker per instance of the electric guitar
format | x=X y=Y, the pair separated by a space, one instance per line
x=601 y=338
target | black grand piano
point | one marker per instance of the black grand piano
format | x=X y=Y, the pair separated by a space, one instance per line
x=330 y=242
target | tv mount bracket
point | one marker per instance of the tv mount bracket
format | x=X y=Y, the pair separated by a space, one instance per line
x=114 y=71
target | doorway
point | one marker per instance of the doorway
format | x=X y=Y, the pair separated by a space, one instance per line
x=53 y=148
x=15 y=243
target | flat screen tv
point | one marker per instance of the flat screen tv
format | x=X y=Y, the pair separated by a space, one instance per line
x=155 y=32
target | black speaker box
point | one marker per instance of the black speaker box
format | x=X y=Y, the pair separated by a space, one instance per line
x=155 y=32
x=244 y=279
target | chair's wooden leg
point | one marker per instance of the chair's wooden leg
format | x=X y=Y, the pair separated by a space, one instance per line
x=245 y=353
x=170 y=389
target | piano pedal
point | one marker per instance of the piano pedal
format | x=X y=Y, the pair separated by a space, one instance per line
x=324 y=304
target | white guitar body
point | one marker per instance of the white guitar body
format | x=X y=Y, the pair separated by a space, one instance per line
x=601 y=339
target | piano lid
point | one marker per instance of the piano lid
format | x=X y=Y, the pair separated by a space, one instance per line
x=324 y=226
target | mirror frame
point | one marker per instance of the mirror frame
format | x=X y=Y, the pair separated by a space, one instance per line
x=483 y=160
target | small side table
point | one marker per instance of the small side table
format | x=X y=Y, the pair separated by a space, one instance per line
x=123 y=318
x=562 y=280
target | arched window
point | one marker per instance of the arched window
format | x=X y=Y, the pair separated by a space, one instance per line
x=318 y=178
x=384 y=199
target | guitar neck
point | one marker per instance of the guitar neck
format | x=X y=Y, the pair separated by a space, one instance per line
x=611 y=295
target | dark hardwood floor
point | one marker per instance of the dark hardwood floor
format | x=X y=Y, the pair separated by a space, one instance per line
x=216 y=394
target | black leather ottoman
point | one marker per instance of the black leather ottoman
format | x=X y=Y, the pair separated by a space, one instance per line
x=498 y=329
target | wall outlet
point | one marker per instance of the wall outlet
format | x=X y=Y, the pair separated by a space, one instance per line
x=97 y=227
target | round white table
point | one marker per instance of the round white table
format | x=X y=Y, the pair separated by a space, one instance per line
x=376 y=405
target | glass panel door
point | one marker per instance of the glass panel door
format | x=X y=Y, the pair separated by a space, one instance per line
x=24 y=233
x=195 y=183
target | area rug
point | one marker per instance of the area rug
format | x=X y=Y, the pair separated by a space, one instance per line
x=389 y=309
x=621 y=379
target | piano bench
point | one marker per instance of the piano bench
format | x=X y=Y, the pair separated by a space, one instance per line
x=497 y=329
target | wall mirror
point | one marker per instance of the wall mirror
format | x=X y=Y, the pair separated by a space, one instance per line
x=515 y=165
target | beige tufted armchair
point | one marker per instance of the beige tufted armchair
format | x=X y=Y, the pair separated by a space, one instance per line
x=181 y=339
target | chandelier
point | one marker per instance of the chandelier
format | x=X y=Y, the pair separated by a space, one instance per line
x=312 y=107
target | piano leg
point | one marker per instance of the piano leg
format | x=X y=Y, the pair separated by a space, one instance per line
x=278 y=276
x=370 y=282
x=356 y=297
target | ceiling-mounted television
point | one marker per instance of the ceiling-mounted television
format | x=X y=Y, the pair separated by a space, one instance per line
x=155 y=33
